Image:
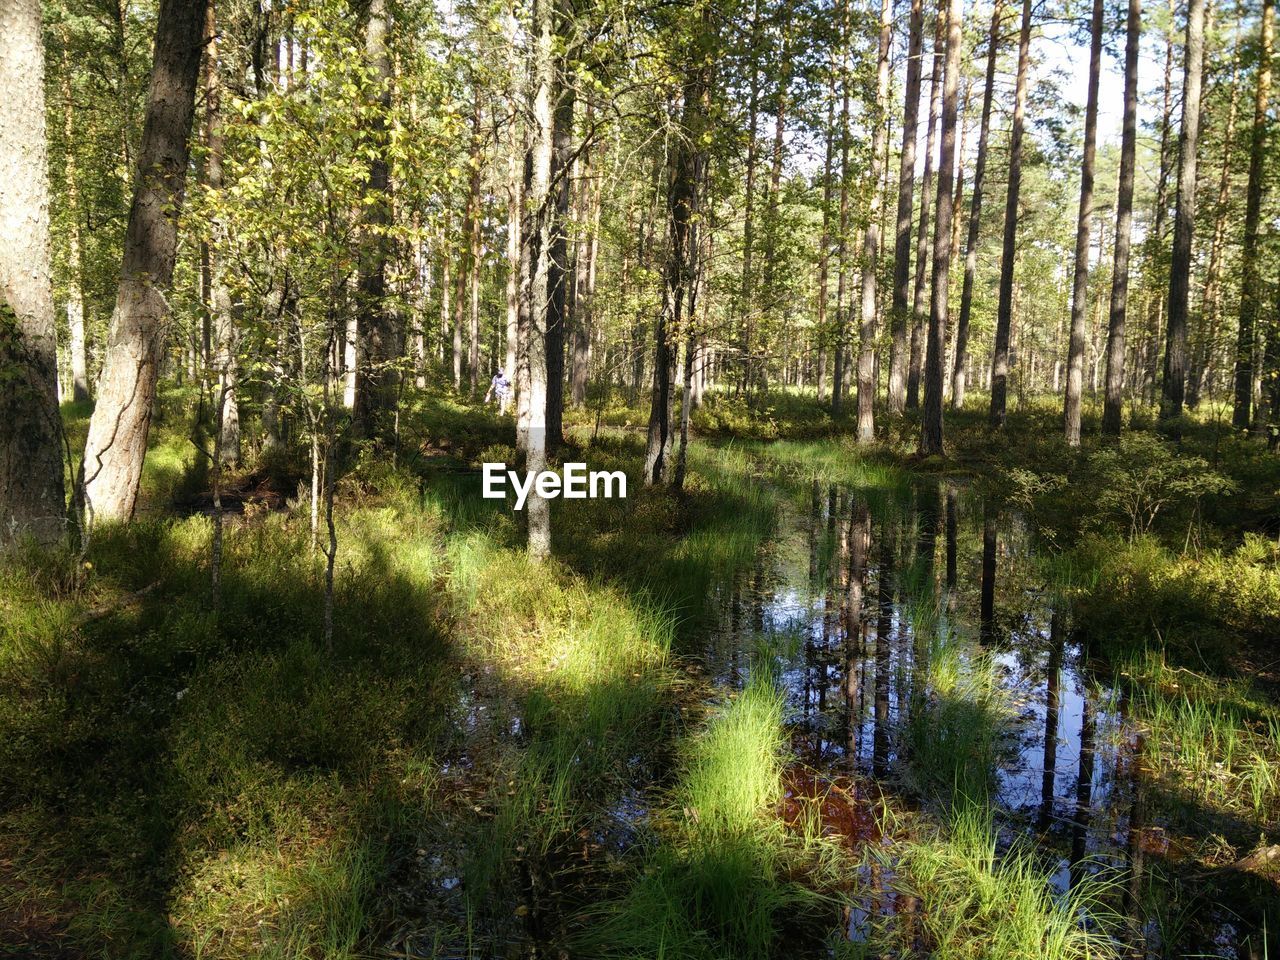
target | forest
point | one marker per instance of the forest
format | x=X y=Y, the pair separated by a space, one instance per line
x=918 y=368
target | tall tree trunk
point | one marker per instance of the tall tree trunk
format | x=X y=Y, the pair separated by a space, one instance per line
x=1201 y=372
x=871 y=239
x=906 y=188
x=747 y=308
x=31 y=488
x=1155 y=238
x=77 y=342
x=585 y=280
x=474 y=261
x=824 y=251
x=693 y=169
x=1250 y=281
x=1184 y=218
x=224 y=332
x=919 y=317
x=957 y=221
x=680 y=274
x=1113 y=405
x=975 y=215
x=558 y=273
x=537 y=257
x=515 y=190
x=458 y=320
x=842 y=244
x=931 y=426
x=771 y=299
x=421 y=296
x=1009 y=254
x=1084 y=229
x=377 y=377
x=117 y=442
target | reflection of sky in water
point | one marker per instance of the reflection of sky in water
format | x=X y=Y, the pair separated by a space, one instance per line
x=777 y=607
x=788 y=608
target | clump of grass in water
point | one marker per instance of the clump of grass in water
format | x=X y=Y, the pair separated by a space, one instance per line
x=723 y=878
x=1217 y=739
x=976 y=905
x=957 y=729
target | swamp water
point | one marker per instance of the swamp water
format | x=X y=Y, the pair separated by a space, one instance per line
x=861 y=636
x=942 y=667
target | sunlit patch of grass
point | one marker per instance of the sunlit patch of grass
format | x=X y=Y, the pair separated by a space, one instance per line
x=725 y=877
x=592 y=669
x=959 y=722
x=146 y=740
x=1198 y=606
x=839 y=462
x=279 y=896
x=1217 y=740
x=976 y=904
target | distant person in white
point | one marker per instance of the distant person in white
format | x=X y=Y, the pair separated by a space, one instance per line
x=500 y=390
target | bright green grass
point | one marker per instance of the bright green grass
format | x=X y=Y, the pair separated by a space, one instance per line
x=959 y=723
x=976 y=904
x=725 y=878
x=1214 y=742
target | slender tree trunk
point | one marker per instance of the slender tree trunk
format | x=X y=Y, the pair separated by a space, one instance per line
x=931 y=426
x=537 y=256
x=1084 y=229
x=680 y=280
x=1184 y=218
x=957 y=221
x=747 y=308
x=1009 y=254
x=975 y=215
x=871 y=239
x=31 y=486
x=1250 y=280
x=474 y=262
x=1114 y=403
x=77 y=345
x=377 y=377
x=585 y=280
x=224 y=333
x=898 y=348
x=117 y=442
x=1155 y=239
x=515 y=190
x=699 y=89
x=919 y=315
x=842 y=244
x=559 y=275
x=824 y=252
x=421 y=296
x=458 y=321
x=1207 y=343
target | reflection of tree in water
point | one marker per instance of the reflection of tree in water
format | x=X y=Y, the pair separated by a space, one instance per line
x=857 y=680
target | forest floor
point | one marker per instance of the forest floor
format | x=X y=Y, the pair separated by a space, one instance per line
x=670 y=741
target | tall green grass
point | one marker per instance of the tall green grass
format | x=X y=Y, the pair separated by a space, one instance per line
x=958 y=729
x=1214 y=742
x=973 y=903
x=725 y=878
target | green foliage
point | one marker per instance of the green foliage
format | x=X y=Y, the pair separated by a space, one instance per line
x=1200 y=608
x=1142 y=475
x=977 y=904
x=724 y=879
x=1214 y=743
